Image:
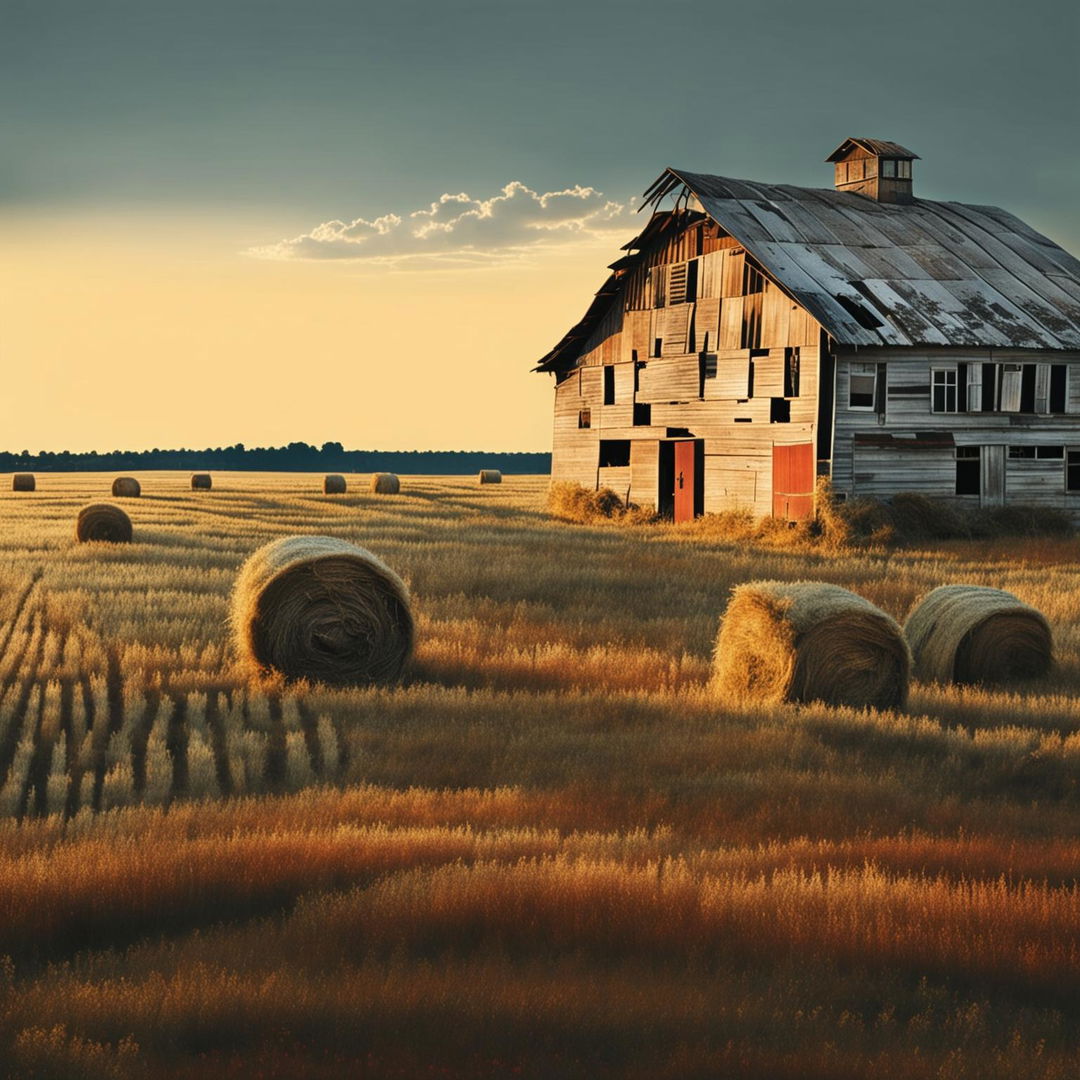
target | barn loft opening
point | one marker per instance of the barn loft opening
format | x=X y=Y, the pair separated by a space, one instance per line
x=614 y=453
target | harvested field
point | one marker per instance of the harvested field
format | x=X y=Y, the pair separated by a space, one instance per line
x=550 y=851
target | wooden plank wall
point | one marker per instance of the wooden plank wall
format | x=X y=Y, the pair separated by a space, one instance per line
x=733 y=412
x=861 y=469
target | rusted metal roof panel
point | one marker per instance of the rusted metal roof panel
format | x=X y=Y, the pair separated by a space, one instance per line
x=933 y=273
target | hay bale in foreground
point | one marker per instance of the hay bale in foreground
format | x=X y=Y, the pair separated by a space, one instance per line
x=103 y=521
x=807 y=641
x=201 y=481
x=490 y=476
x=334 y=484
x=23 y=481
x=385 y=483
x=126 y=487
x=319 y=608
x=976 y=634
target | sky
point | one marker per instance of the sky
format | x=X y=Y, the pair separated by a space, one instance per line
x=261 y=221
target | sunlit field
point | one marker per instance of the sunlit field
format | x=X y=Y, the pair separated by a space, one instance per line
x=550 y=852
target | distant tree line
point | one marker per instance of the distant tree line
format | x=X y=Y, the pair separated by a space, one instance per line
x=296 y=457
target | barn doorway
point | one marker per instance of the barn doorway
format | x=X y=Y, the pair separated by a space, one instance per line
x=682 y=479
x=794 y=474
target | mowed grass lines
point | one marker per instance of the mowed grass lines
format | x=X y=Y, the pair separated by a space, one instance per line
x=549 y=852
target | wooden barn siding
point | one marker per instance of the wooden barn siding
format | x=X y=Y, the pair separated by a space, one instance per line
x=881 y=472
x=735 y=426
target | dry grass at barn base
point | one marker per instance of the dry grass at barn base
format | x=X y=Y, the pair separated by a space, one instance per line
x=550 y=851
x=571 y=502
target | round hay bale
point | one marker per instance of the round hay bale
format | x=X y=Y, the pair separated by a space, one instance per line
x=385 y=483
x=976 y=634
x=201 y=481
x=23 y=481
x=319 y=608
x=807 y=641
x=334 y=484
x=490 y=476
x=126 y=487
x=103 y=521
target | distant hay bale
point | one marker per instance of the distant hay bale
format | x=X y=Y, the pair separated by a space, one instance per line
x=807 y=641
x=334 y=484
x=976 y=634
x=385 y=483
x=23 y=481
x=201 y=481
x=319 y=608
x=126 y=487
x=490 y=476
x=104 y=522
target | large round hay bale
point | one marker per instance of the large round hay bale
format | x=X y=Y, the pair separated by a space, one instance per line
x=23 y=481
x=319 y=608
x=334 y=484
x=807 y=641
x=201 y=481
x=126 y=487
x=976 y=634
x=103 y=521
x=385 y=483
x=490 y=476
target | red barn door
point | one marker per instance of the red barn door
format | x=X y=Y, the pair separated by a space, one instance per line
x=685 y=480
x=793 y=481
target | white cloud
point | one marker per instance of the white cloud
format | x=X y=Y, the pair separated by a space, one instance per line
x=458 y=231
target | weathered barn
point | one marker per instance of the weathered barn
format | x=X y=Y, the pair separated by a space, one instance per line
x=756 y=336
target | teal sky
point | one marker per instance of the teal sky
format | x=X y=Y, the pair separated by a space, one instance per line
x=322 y=108
x=266 y=120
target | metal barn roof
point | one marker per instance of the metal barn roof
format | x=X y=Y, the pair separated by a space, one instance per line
x=881 y=274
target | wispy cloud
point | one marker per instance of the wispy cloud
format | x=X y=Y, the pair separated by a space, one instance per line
x=458 y=231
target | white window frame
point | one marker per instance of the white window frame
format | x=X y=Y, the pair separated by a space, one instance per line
x=862 y=370
x=946 y=372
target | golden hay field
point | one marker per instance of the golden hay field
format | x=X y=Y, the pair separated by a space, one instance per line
x=550 y=853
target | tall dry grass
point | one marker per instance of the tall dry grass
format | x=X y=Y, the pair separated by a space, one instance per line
x=551 y=851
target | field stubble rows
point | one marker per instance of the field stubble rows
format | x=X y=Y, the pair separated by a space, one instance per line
x=551 y=849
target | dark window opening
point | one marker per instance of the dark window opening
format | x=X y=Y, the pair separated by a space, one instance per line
x=744 y=419
x=706 y=370
x=633 y=355
x=967 y=470
x=1058 y=382
x=1056 y=452
x=753 y=279
x=1027 y=389
x=862 y=386
x=657 y=345
x=1021 y=452
x=642 y=415
x=750 y=378
x=609 y=384
x=943 y=391
x=584 y=418
x=961 y=387
x=614 y=453
x=791 y=372
x=691 y=280
x=1072 y=471
x=779 y=411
